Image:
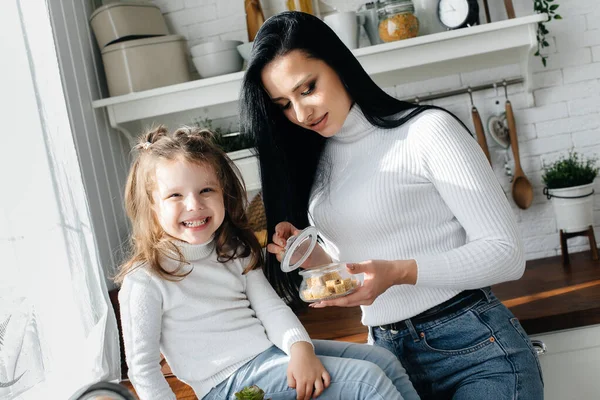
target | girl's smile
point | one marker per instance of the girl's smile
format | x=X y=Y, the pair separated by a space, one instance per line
x=195 y=224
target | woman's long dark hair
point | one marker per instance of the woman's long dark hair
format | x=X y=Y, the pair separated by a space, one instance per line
x=289 y=154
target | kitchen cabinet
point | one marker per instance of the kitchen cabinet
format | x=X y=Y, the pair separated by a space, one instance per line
x=561 y=307
x=571 y=364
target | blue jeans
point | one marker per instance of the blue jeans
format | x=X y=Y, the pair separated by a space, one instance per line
x=470 y=347
x=354 y=374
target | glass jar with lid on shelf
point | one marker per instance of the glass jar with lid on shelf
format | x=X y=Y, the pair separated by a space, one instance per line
x=397 y=20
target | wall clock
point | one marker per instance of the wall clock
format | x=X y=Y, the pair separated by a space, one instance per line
x=455 y=14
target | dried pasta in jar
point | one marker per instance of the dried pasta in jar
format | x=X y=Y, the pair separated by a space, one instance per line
x=397 y=20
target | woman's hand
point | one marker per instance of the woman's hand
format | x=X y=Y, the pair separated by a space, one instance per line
x=305 y=372
x=380 y=275
x=283 y=231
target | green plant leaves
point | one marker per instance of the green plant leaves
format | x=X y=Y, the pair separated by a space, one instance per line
x=250 y=393
x=544 y=7
x=574 y=170
x=227 y=141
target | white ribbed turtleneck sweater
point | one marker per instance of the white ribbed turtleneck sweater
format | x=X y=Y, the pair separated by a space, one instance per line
x=422 y=191
x=207 y=325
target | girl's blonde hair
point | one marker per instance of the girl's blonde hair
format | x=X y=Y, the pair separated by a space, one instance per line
x=149 y=242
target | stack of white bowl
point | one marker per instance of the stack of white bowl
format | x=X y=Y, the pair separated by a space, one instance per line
x=245 y=49
x=217 y=57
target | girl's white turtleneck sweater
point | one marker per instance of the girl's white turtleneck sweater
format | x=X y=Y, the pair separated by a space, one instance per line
x=207 y=325
x=422 y=191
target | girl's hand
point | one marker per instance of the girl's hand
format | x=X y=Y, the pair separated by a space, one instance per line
x=283 y=231
x=380 y=275
x=305 y=372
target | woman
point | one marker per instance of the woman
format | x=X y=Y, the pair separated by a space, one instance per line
x=402 y=191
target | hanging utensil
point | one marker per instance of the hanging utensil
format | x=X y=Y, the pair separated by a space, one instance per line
x=497 y=125
x=498 y=130
x=479 y=127
x=487 y=11
x=522 y=190
x=510 y=9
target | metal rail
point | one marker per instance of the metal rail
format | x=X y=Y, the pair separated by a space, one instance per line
x=492 y=85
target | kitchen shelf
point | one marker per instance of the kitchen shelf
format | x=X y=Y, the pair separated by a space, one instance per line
x=505 y=42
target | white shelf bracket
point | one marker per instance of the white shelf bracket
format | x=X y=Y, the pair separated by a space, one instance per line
x=120 y=127
x=526 y=67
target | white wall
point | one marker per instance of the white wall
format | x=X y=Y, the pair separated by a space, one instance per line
x=567 y=95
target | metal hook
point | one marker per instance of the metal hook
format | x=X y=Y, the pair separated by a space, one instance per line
x=505 y=89
x=470 y=91
x=495 y=88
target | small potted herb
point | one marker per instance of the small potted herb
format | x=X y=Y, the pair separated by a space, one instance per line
x=232 y=143
x=251 y=393
x=569 y=185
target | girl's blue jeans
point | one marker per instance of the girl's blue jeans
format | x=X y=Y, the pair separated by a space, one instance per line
x=470 y=347
x=358 y=371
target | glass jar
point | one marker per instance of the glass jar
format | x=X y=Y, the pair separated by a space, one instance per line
x=323 y=282
x=328 y=282
x=397 y=20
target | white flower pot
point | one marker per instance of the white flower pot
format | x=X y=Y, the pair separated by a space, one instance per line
x=247 y=163
x=573 y=207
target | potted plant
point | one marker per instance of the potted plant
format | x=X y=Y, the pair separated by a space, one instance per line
x=250 y=393
x=569 y=185
x=240 y=148
x=234 y=144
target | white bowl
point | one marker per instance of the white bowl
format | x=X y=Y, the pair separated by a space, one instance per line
x=214 y=46
x=221 y=63
x=245 y=49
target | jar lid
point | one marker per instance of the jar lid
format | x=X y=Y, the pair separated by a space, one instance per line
x=298 y=248
x=397 y=6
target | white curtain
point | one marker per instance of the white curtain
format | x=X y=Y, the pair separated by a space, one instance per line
x=57 y=328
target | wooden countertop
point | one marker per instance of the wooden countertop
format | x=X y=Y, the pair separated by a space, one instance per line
x=550 y=297
x=547 y=298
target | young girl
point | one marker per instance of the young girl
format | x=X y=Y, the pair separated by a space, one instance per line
x=402 y=190
x=194 y=291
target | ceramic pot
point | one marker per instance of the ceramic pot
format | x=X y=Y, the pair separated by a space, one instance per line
x=573 y=207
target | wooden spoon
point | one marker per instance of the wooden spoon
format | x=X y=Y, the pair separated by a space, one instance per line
x=480 y=133
x=479 y=127
x=510 y=9
x=487 y=11
x=522 y=191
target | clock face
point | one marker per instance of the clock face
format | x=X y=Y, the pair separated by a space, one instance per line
x=453 y=12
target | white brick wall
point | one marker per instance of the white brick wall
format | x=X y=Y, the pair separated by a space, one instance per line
x=567 y=95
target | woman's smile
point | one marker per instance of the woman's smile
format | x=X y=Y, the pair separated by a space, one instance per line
x=320 y=124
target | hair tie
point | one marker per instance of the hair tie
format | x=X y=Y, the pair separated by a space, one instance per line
x=146 y=145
